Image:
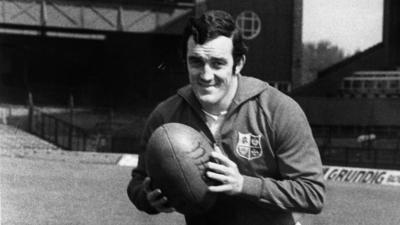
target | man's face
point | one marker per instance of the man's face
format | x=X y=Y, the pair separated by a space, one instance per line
x=210 y=68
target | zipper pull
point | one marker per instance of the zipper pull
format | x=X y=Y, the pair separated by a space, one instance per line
x=217 y=148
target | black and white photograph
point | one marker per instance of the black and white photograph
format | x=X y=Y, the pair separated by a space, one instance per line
x=199 y=112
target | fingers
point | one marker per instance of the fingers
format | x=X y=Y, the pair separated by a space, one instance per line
x=156 y=198
x=219 y=177
x=153 y=196
x=217 y=167
x=222 y=159
x=158 y=201
x=162 y=205
x=220 y=188
x=226 y=172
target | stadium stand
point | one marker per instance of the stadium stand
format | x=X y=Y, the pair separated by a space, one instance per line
x=13 y=138
x=17 y=143
x=372 y=84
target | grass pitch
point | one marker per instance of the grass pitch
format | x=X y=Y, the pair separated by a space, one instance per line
x=40 y=191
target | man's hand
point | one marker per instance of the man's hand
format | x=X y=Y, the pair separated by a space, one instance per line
x=156 y=199
x=225 y=172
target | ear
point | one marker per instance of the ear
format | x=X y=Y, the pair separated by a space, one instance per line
x=239 y=66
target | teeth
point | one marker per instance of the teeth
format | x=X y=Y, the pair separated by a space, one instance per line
x=206 y=84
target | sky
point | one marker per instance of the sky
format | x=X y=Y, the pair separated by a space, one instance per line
x=350 y=24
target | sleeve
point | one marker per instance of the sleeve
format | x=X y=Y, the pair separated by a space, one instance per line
x=299 y=186
x=135 y=187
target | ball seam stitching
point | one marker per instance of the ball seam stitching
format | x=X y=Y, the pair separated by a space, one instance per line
x=180 y=166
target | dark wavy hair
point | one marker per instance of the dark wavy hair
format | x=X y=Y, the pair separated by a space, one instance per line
x=210 y=25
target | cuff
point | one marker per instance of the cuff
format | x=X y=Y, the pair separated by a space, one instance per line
x=252 y=187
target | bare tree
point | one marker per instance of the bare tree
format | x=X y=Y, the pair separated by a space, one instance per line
x=318 y=56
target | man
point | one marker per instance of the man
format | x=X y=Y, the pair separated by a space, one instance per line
x=269 y=167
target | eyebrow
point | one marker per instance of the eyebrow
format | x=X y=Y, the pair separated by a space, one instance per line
x=222 y=60
x=195 y=57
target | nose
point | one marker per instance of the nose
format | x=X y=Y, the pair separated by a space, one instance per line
x=207 y=73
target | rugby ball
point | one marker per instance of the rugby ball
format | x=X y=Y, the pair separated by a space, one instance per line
x=176 y=155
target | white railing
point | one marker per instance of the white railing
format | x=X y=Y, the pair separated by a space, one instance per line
x=370 y=82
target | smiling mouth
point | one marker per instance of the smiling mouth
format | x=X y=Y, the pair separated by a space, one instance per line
x=206 y=85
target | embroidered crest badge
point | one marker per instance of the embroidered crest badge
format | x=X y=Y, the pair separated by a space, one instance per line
x=249 y=146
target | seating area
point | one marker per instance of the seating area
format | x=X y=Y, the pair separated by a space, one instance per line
x=12 y=138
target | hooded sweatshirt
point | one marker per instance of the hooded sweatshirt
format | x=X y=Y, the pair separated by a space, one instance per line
x=268 y=136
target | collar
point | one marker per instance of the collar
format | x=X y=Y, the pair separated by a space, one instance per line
x=213 y=116
x=248 y=87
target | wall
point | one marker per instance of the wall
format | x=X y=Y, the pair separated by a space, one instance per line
x=391 y=33
x=357 y=112
x=270 y=55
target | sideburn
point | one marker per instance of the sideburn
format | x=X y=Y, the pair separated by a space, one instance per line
x=234 y=67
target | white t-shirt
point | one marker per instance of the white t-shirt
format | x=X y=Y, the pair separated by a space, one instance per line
x=214 y=122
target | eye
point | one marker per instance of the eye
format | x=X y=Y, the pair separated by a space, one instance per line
x=218 y=63
x=195 y=61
